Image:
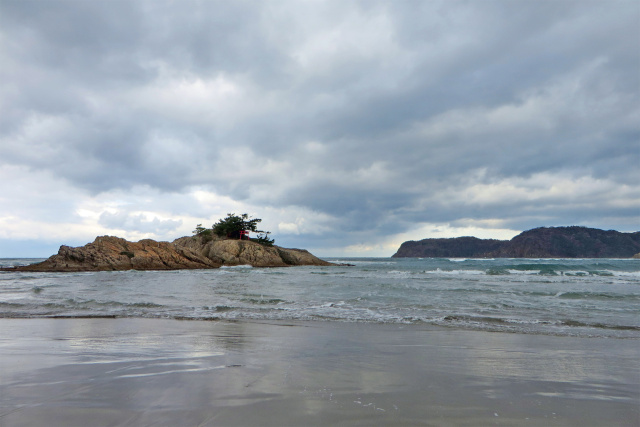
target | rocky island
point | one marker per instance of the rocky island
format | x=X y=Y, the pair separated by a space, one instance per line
x=109 y=253
x=226 y=243
x=542 y=242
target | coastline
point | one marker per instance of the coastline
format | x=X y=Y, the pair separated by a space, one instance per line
x=134 y=371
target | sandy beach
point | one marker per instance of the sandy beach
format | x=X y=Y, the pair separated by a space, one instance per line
x=143 y=372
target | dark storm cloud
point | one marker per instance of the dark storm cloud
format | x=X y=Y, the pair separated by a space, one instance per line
x=377 y=113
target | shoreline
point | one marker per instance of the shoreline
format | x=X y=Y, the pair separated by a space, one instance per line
x=136 y=371
x=300 y=322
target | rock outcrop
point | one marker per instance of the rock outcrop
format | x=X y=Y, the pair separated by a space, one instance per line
x=243 y=252
x=108 y=253
x=543 y=242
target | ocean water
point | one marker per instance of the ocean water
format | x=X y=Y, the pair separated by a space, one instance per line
x=566 y=297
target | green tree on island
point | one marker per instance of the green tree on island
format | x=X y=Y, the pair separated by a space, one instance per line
x=234 y=227
x=233 y=224
x=264 y=239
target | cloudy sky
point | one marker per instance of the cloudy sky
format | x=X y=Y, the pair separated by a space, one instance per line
x=347 y=126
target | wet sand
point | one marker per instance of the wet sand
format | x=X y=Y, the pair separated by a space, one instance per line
x=144 y=372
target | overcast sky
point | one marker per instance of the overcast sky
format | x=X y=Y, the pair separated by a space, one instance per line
x=347 y=126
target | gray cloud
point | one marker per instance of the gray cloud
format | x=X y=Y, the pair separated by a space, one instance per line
x=378 y=114
x=126 y=221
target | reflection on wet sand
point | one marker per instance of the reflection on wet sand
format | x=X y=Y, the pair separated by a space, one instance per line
x=124 y=372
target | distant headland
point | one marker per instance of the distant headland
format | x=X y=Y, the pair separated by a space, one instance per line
x=543 y=242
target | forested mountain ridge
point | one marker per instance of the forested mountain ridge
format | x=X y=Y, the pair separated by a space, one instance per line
x=543 y=242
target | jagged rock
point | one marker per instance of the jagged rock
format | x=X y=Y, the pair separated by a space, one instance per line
x=114 y=253
x=244 y=252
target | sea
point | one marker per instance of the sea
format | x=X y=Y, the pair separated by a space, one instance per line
x=563 y=297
